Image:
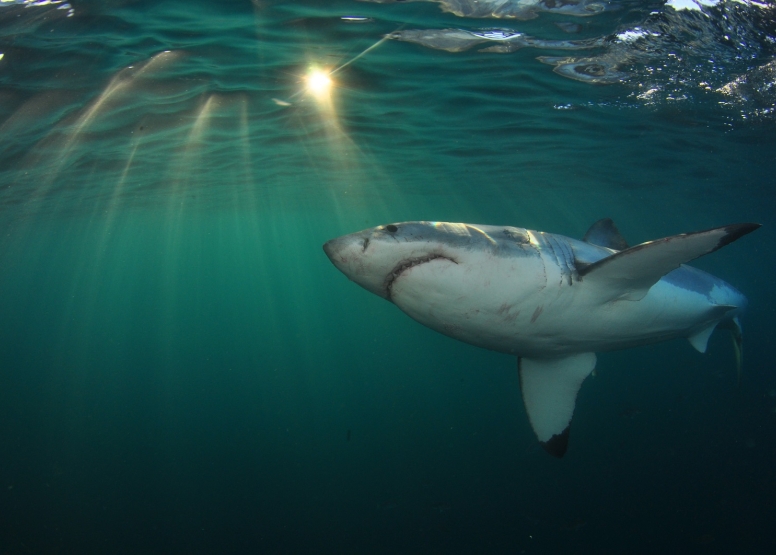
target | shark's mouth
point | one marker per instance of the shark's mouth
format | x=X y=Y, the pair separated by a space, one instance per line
x=405 y=265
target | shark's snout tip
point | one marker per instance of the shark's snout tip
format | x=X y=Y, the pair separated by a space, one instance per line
x=329 y=247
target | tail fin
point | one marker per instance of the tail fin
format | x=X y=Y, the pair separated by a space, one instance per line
x=737 y=334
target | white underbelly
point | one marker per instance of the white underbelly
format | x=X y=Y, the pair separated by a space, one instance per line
x=549 y=322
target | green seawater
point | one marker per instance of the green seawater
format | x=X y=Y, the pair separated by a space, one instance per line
x=182 y=370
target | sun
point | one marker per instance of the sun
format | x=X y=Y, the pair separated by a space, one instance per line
x=318 y=82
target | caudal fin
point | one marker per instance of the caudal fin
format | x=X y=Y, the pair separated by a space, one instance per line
x=737 y=334
x=738 y=344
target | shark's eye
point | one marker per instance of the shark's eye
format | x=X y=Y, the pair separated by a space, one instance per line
x=391 y=228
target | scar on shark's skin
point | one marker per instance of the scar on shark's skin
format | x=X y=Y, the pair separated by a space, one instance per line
x=469 y=315
x=536 y=313
x=503 y=311
x=451 y=329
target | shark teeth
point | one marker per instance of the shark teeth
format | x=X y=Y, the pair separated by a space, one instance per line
x=405 y=265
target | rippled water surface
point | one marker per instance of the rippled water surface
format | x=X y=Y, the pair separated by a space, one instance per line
x=184 y=371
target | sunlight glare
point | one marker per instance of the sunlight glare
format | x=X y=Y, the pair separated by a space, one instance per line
x=319 y=83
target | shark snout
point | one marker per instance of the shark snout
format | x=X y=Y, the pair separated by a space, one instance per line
x=349 y=255
x=341 y=251
x=331 y=248
x=346 y=254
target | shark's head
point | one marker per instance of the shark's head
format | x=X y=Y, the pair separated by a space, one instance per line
x=380 y=257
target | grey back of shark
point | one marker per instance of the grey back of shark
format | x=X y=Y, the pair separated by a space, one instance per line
x=550 y=300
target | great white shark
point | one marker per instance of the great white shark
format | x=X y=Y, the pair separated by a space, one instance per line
x=550 y=300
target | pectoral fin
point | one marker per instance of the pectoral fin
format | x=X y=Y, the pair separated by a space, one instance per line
x=628 y=274
x=549 y=388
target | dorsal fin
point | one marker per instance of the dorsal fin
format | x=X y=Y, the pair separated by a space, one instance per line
x=605 y=234
x=629 y=274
